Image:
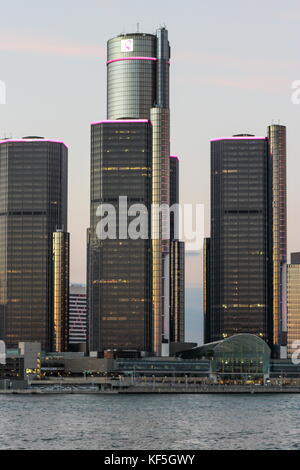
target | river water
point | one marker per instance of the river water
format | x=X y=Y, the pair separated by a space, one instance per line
x=150 y=422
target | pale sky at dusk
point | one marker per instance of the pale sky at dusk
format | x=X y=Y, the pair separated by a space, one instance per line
x=232 y=68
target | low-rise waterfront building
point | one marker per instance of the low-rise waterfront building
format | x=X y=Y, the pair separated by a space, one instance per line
x=240 y=357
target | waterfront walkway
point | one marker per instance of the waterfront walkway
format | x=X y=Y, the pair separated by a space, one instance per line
x=159 y=389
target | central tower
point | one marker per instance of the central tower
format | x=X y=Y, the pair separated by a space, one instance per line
x=138 y=130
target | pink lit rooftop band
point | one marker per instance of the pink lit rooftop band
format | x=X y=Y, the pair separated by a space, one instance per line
x=154 y=59
x=238 y=138
x=13 y=141
x=174 y=156
x=121 y=121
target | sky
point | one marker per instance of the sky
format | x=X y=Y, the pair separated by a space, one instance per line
x=232 y=68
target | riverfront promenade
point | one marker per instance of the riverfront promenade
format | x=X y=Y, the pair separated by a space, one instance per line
x=155 y=389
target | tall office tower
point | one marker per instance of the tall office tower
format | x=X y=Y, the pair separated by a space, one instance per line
x=77 y=316
x=277 y=139
x=177 y=293
x=119 y=269
x=177 y=262
x=61 y=268
x=206 y=290
x=240 y=246
x=128 y=280
x=293 y=302
x=33 y=205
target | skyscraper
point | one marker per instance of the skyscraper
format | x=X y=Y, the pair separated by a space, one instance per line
x=177 y=292
x=119 y=277
x=177 y=262
x=33 y=205
x=293 y=302
x=61 y=268
x=277 y=139
x=128 y=280
x=239 y=284
x=77 y=316
x=206 y=291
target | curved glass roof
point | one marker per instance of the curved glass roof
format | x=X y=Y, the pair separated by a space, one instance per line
x=2 y=352
x=238 y=347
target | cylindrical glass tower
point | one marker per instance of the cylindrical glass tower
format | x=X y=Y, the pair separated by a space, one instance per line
x=131 y=76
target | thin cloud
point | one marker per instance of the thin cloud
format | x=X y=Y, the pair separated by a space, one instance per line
x=35 y=46
x=262 y=83
x=203 y=58
x=267 y=84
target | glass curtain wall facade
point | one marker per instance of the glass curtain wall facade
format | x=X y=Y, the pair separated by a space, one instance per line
x=293 y=303
x=131 y=76
x=240 y=357
x=206 y=290
x=177 y=293
x=160 y=247
x=240 y=246
x=277 y=139
x=119 y=269
x=137 y=89
x=77 y=315
x=177 y=262
x=61 y=266
x=33 y=204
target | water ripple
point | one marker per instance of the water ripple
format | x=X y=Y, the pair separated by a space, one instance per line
x=151 y=422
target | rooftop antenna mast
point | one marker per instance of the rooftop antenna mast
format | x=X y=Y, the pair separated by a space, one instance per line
x=138 y=27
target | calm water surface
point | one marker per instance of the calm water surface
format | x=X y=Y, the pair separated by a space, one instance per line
x=151 y=422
